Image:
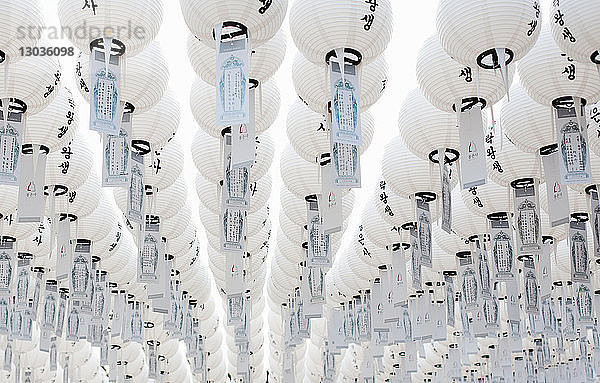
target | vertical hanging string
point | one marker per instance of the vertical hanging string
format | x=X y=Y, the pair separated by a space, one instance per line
x=554 y=136
x=501 y=53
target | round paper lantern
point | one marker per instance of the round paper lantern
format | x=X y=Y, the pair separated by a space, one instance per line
x=165 y=204
x=134 y=24
x=511 y=164
x=19 y=17
x=574 y=27
x=206 y=153
x=70 y=166
x=449 y=243
x=35 y=81
x=376 y=229
x=266 y=58
x=203 y=104
x=487 y=199
x=143 y=81
x=82 y=201
x=261 y=19
x=464 y=222
x=56 y=124
x=99 y=223
x=9 y=200
x=425 y=129
x=526 y=123
x=312 y=83
x=318 y=27
x=38 y=244
x=210 y=194
x=406 y=174
x=444 y=80
x=158 y=125
x=167 y=166
x=309 y=136
x=548 y=74
x=171 y=227
x=471 y=30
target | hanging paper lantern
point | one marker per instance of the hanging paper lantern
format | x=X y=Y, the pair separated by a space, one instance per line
x=143 y=84
x=82 y=201
x=71 y=165
x=471 y=31
x=210 y=194
x=312 y=83
x=449 y=243
x=167 y=166
x=511 y=164
x=99 y=223
x=527 y=124
x=35 y=81
x=134 y=23
x=404 y=172
x=548 y=74
x=444 y=80
x=425 y=129
x=158 y=125
x=309 y=136
x=487 y=199
x=266 y=58
x=574 y=27
x=203 y=104
x=395 y=210
x=261 y=19
x=376 y=229
x=56 y=124
x=9 y=200
x=206 y=153
x=464 y=222
x=319 y=27
x=17 y=17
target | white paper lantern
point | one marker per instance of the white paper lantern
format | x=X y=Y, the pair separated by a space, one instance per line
x=99 y=223
x=575 y=29
x=82 y=201
x=309 y=136
x=319 y=27
x=406 y=174
x=424 y=128
x=487 y=199
x=134 y=23
x=511 y=164
x=210 y=194
x=464 y=222
x=206 y=153
x=158 y=125
x=70 y=172
x=262 y=19
x=526 y=123
x=444 y=80
x=449 y=243
x=547 y=73
x=266 y=58
x=9 y=200
x=143 y=80
x=203 y=105
x=20 y=24
x=311 y=82
x=376 y=229
x=394 y=209
x=167 y=166
x=56 y=124
x=468 y=29
x=35 y=81
x=171 y=227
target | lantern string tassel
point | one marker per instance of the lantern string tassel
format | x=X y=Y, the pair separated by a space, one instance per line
x=501 y=53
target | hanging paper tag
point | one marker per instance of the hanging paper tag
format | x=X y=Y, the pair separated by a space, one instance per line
x=116 y=157
x=8 y=355
x=545 y=270
x=377 y=307
x=149 y=253
x=234 y=276
x=63 y=249
x=316 y=287
x=100 y=300
x=527 y=218
x=136 y=193
x=50 y=307
x=243 y=139
x=330 y=201
x=136 y=323
x=558 y=199
x=7 y=264
x=503 y=254
x=318 y=242
x=446 y=196
x=580 y=269
x=450 y=305
x=235 y=309
x=424 y=232
x=572 y=143
x=105 y=90
x=81 y=273
x=583 y=305
x=472 y=148
x=532 y=301
x=22 y=284
x=73 y=321
x=232 y=229
x=595 y=220
x=468 y=282
x=345 y=104
x=400 y=286
x=386 y=286
x=158 y=291
x=415 y=259
x=232 y=79
x=117 y=314
x=61 y=314
x=11 y=137
x=483 y=270
x=31 y=186
x=236 y=184
x=346 y=165
x=5 y=313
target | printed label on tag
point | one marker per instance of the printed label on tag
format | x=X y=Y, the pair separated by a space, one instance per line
x=11 y=137
x=330 y=202
x=571 y=130
x=595 y=221
x=243 y=139
x=116 y=158
x=150 y=252
x=469 y=283
x=236 y=183
x=234 y=273
x=346 y=165
x=345 y=104
x=556 y=193
x=580 y=269
x=424 y=232
x=105 y=91
x=31 y=186
x=232 y=229
x=503 y=254
x=318 y=242
x=532 y=299
x=445 y=174
x=415 y=259
x=136 y=193
x=527 y=219
x=472 y=148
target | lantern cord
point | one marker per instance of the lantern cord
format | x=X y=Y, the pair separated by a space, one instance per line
x=107 y=50
x=260 y=101
x=502 y=61
x=578 y=114
x=123 y=66
x=552 y=114
x=54 y=218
